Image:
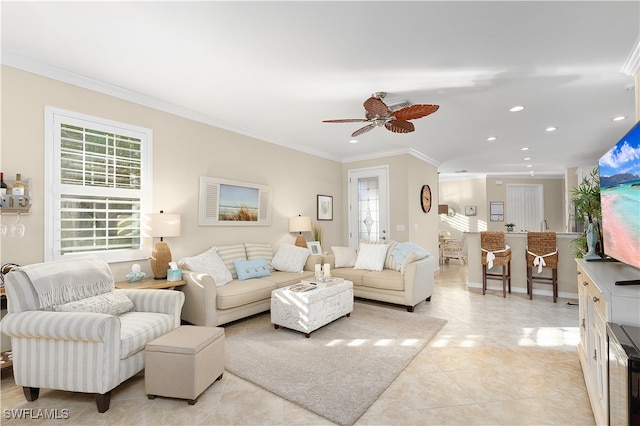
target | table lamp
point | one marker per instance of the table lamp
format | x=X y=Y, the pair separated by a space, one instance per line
x=161 y=225
x=300 y=224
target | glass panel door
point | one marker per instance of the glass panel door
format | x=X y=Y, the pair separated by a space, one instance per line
x=368 y=208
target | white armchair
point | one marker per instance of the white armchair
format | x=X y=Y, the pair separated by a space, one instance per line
x=67 y=343
x=452 y=249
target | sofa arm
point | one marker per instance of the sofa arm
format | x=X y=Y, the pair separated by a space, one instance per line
x=200 y=299
x=418 y=280
x=160 y=301
x=81 y=326
x=312 y=261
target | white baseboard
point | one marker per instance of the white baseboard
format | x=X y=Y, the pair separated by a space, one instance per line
x=536 y=291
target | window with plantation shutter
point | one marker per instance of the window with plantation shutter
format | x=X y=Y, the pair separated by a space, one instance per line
x=98 y=172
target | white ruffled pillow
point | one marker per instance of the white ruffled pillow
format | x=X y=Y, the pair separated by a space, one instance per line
x=345 y=257
x=371 y=256
x=113 y=303
x=209 y=263
x=290 y=258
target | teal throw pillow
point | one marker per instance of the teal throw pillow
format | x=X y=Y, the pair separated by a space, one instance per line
x=254 y=268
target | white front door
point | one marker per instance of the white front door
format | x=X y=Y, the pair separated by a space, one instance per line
x=368 y=205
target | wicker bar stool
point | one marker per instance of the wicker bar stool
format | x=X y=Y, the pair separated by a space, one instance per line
x=542 y=252
x=495 y=252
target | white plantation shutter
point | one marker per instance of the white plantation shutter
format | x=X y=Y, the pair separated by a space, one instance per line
x=99 y=174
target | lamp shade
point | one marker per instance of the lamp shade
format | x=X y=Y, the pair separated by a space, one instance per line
x=300 y=224
x=443 y=209
x=161 y=225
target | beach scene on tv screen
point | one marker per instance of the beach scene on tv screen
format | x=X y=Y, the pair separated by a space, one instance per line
x=620 y=199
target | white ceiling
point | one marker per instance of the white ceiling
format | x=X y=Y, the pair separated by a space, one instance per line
x=275 y=70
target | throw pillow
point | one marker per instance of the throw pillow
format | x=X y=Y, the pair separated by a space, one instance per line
x=389 y=261
x=406 y=253
x=345 y=257
x=112 y=303
x=254 y=268
x=290 y=258
x=371 y=256
x=230 y=253
x=257 y=251
x=210 y=263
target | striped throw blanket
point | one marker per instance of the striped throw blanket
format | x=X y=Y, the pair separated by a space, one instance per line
x=65 y=281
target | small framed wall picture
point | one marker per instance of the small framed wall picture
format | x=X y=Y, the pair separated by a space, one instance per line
x=470 y=210
x=314 y=246
x=496 y=211
x=325 y=207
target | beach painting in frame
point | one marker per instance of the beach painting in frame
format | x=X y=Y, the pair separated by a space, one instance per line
x=232 y=203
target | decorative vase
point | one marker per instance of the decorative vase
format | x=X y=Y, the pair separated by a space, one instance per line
x=592 y=239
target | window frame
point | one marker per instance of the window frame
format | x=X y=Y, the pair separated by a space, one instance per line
x=54 y=117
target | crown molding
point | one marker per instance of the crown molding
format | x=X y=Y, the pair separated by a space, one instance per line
x=632 y=64
x=391 y=153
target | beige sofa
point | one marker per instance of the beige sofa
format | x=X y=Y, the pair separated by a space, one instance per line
x=410 y=288
x=209 y=305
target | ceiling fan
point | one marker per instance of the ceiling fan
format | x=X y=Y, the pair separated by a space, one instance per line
x=378 y=114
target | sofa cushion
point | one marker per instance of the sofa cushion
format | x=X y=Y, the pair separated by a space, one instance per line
x=353 y=275
x=290 y=258
x=210 y=263
x=139 y=328
x=113 y=303
x=256 y=251
x=389 y=261
x=255 y=268
x=386 y=279
x=282 y=279
x=345 y=257
x=371 y=256
x=230 y=253
x=239 y=293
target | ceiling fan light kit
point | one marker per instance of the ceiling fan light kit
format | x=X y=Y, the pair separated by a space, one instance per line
x=379 y=114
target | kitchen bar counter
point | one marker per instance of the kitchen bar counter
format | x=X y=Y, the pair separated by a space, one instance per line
x=567 y=283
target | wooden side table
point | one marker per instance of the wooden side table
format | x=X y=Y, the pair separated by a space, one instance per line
x=150 y=283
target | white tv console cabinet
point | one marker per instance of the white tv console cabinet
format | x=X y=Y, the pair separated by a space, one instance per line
x=601 y=301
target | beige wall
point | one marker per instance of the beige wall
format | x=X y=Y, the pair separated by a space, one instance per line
x=407 y=174
x=183 y=150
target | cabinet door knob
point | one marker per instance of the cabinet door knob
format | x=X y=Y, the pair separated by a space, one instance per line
x=595 y=299
x=584 y=283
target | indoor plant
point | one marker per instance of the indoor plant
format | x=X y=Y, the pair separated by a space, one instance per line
x=510 y=226
x=586 y=201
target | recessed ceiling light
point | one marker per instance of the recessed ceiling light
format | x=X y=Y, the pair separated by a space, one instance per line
x=527 y=159
x=551 y=129
x=619 y=118
x=526 y=148
x=529 y=165
x=491 y=138
x=517 y=108
x=353 y=141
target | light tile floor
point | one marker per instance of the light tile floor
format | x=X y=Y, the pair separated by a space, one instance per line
x=497 y=361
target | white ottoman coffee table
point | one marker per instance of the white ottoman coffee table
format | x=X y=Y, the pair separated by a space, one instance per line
x=309 y=310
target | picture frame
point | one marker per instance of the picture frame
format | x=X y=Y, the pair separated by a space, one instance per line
x=325 y=207
x=496 y=211
x=470 y=210
x=315 y=248
x=224 y=202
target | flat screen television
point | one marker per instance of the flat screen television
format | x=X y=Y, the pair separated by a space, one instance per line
x=619 y=171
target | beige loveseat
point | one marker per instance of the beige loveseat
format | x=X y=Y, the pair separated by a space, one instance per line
x=407 y=285
x=207 y=304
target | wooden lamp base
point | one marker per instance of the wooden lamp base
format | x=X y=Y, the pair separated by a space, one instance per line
x=160 y=258
x=300 y=241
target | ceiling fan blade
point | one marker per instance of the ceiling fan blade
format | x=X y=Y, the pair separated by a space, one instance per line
x=400 y=126
x=415 y=111
x=375 y=108
x=362 y=130
x=346 y=120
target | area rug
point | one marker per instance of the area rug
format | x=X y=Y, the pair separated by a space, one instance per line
x=342 y=368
